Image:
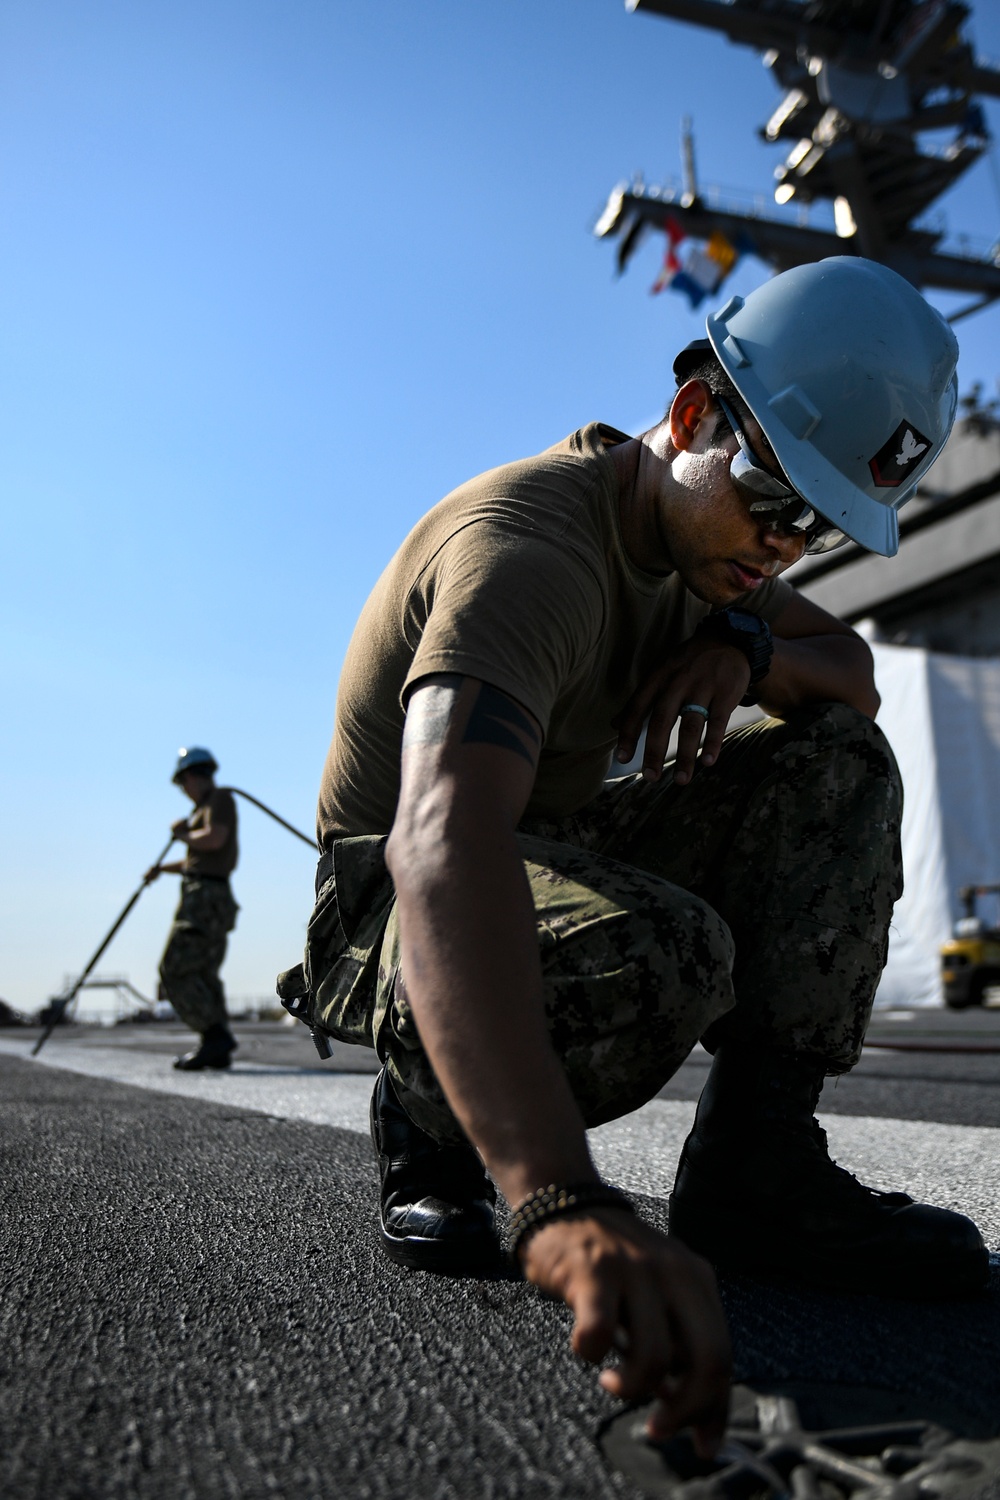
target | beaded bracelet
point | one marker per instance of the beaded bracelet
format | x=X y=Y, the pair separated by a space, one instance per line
x=553 y=1201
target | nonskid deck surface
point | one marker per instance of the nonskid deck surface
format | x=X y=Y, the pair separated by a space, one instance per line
x=195 y=1303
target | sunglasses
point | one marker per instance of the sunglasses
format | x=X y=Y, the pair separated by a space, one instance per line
x=771 y=499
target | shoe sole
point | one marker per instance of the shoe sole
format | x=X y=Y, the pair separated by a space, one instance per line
x=445 y=1259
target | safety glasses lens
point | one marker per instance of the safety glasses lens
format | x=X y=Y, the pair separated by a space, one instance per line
x=824 y=539
x=748 y=474
x=772 y=500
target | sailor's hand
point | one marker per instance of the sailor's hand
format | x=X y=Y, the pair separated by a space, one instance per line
x=709 y=674
x=648 y=1296
x=153 y=873
x=180 y=830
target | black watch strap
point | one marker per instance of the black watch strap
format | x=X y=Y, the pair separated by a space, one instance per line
x=749 y=634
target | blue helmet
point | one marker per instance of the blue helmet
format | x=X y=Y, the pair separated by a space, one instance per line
x=196 y=758
x=851 y=374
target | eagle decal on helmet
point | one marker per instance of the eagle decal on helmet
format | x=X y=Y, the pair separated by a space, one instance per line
x=892 y=463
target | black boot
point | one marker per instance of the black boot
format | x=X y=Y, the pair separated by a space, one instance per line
x=217 y=1046
x=756 y=1191
x=436 y=1208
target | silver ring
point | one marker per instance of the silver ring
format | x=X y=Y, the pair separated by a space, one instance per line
x=695 y=708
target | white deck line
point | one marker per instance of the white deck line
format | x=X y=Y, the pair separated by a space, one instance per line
x=955 y=1166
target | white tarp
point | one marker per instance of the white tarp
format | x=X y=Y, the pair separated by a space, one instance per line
x=941 y=715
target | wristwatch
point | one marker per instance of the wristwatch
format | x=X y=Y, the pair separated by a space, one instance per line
x=749 y=634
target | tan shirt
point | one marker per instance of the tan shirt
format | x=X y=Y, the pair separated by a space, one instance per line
x=221 y=804
x=518 y=577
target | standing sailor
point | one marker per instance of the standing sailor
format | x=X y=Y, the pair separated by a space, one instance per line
x=196 y=945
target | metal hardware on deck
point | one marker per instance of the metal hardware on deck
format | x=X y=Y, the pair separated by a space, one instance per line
x=768 y=1454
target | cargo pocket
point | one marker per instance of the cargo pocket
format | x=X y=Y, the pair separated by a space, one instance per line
x=344 y=939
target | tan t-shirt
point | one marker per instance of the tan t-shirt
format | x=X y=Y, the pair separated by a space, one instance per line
x=518 y=577
x=222 y=805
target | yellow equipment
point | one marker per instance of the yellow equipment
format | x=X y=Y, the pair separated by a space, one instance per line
x=970 y=962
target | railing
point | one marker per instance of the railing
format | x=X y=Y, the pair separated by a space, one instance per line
x=734 y=201
x=817 y=215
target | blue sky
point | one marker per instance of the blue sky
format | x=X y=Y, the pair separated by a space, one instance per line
x=275 y=275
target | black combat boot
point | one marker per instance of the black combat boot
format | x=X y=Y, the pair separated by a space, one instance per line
x=756 y=1191
x=436 y=1208
x=217 y=1046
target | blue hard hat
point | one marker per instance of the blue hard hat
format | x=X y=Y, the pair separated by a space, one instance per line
x=851 y=374
x=194 y=758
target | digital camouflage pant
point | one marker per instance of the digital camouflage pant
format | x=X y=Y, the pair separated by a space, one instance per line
x=750 y=906
x=196 y=946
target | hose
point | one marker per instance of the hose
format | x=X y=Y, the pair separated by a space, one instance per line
x=272 y=814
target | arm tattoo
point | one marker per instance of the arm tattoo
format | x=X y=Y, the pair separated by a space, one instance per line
x=497 y=720
x=435 y=706
x=494 y=719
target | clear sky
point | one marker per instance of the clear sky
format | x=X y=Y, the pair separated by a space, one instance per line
x=274 y=276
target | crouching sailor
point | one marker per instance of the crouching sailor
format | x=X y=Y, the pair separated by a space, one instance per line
x=532 y=949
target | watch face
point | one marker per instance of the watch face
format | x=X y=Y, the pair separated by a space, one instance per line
x=741 y=619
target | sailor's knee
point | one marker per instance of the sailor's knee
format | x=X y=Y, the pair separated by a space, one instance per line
x=840 y=722
x=858 y=743
x=170 y=975
x=181 y=956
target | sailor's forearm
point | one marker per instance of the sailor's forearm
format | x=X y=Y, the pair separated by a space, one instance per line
x=473 y=977
x=817 y=669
